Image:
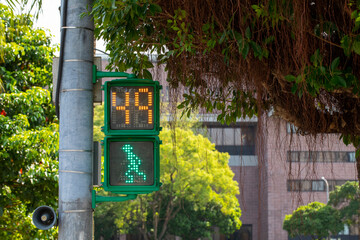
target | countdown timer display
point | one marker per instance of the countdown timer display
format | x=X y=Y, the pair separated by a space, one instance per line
x=132 y=163
x=132 y=107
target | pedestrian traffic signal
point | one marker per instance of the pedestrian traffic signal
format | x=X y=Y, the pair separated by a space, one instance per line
x=131 y=164
x=131 y=143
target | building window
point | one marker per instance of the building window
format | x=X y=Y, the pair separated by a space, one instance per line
x=244 y=233
x=313 y=185
x=351 y=157
x=234 y=139
x=229 y=136
x=290 y=128
x=318 y=186
x=232 y=135
x=243 y=161
x=216 y=135
x=346 y=230
x=320 y=156
x=299 y=185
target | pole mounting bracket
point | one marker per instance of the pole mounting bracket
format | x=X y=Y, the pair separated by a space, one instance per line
x=98 y=199
x=100 y=74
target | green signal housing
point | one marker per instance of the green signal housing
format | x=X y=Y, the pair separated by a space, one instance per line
x=131 y=144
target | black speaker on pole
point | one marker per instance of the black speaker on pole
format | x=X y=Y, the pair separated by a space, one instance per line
x=44 y=217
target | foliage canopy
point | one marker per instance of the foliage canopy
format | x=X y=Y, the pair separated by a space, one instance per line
x=317 y=220
x=198 y=192
x=346 y=198
x=28 y=128
x=298 y=59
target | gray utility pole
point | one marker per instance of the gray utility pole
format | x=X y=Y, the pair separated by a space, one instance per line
x=76 y=124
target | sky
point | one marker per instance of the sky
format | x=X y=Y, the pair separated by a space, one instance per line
x=49 y=19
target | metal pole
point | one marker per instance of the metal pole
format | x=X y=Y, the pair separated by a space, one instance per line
x=327 y=189
x=327 y=194
x=76 y=125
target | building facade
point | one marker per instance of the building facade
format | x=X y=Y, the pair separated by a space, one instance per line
x=277 y=169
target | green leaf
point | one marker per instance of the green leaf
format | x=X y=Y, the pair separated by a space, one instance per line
x=248 y=33
x=338 y=81
x=154 y=8
x=290 y=78
x=148 y=64
x=182 y=25
x=269 y=40
x=335 y=64
x=299 y=79
x=245 y=50
x=257 y=49
x=354 y=14
x=346 y=139
x=316 y=58
x=294 y=88
x=255 y=7
x=265 y=52
x=147 y=74
x=223 y=36
x=322 y=69
x=206 y=27
x=356 y=47
x=346 y=45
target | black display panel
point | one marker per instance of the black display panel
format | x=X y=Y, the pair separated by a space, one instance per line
x=132 y=108
x=132 y=163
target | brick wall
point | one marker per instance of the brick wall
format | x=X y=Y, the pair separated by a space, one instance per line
x=280 y=200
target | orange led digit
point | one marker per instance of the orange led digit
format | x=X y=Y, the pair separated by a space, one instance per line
x=127 y=99
x=127 y=116
x=149 y=103
x=136 y=99
x=150 y=117
x=127 y=104
x=150 y=97
x=114 y=99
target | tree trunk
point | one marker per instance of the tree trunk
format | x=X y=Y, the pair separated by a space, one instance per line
x=142 y=228
x=156 y=206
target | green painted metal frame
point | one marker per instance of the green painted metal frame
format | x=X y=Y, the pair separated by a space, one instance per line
x=99 y=74
x=131 y=189
x=133 y=82
x=98 y=199
x=128 y=192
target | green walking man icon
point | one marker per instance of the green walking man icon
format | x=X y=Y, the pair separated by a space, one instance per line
x=134 y=163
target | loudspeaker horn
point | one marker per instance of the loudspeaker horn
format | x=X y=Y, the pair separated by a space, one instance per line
x=44 y=217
